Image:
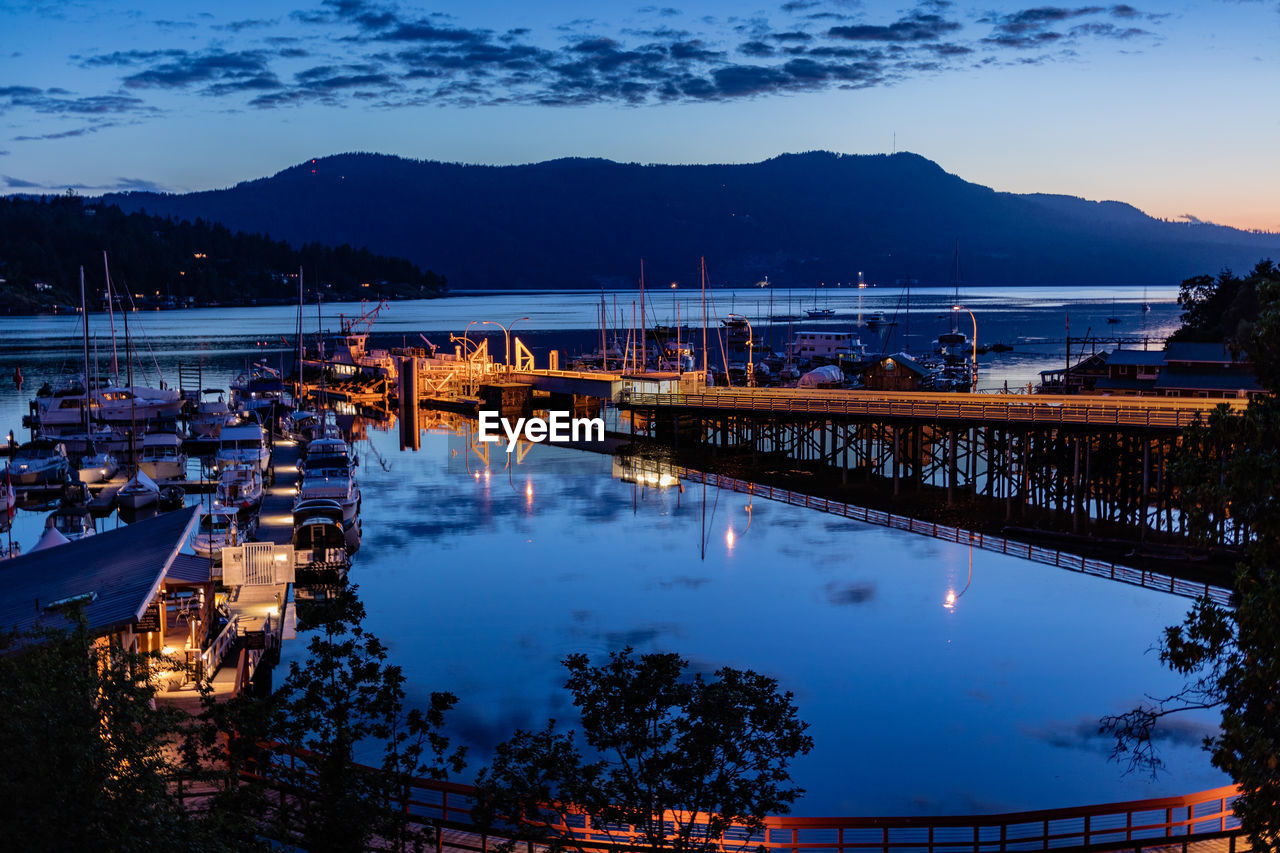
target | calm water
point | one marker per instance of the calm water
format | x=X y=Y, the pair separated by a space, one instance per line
x=480 y=583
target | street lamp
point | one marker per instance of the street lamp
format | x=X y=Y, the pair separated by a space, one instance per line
x=751 y=373
x=974 y=381
x=506 y=336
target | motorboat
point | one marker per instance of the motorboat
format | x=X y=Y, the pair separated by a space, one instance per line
x=127 y=403
x=239 y=487
x=319 y=536
x=172 y=497
x=328 y=473
x=97 y=465
x=42 y=462
x=217 y=529
x=71 y=520
x=242 y=445
x=141 y=491
x=212 y=414
x=258 y=389
x=162 y=457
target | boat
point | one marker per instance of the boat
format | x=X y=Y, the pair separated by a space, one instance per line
x=319 y=536
x=96 y=465
x=257 y=390
x=212 y=414
x=328 y=473
x=218 y=528
x=51 y=538
x=41 y=462
x=349 y=358
x=820 y=313
x=172 y=497
x=162 y=457
x=141 y=491
x=239 y=487
x=73 y=521
x=245 y=444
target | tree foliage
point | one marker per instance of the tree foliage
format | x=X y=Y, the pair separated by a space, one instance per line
x=1229 y=471
x=677 y=758
x=1223 y=308
x=344 y=698
x=89 y=761
x=47 y=240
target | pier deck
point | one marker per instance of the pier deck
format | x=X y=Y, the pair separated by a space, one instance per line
x=275 y=519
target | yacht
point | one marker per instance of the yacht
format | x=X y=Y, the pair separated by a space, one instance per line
x=239 y=487
x=141 y=491
x=257 y=390
x=162 y=457
x=96 y=465
x=242 y=445
x=41 y=462
x=319 y=536
x=217 y=530
x=328 y=473
x=71 y=520
x=212 y=415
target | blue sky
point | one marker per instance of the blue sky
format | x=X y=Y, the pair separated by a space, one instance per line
x=1169 y=106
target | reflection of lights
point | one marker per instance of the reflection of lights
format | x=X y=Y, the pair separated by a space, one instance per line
x=950 y=603
x=486 y=475
x=528 y=490
x=476 y=474
x=729 y=538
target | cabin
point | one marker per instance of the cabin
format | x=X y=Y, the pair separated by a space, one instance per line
x=898 y=372
x=1194 y=369
x=128 y=584
x=1082 y=378
x=1131 y=373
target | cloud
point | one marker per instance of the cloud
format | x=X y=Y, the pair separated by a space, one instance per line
x=66 y=134
x=1038 y=26
x=390 y=56
x=56 y=101
x=1087 y=735
x=19 y=183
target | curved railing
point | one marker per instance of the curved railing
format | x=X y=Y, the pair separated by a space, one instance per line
x=1164 y=823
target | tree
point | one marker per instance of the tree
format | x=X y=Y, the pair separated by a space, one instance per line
x=679 y=759
x=344 y=696
x=1223 y=308
x=89 y=759
x=1229 y=471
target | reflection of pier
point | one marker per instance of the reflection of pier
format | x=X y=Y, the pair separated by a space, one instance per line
x=1082 y=460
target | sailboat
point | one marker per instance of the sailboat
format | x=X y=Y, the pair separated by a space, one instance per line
x=816 y=313
x=141 y=490
x=953 y=343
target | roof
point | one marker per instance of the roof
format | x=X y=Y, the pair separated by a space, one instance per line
x=1106 y=383
x=1193 y=379
x=1211 y=352
x=242 y=432
x=123 y=567
x=903 y=360
x=1152 y=358
x=189 y=568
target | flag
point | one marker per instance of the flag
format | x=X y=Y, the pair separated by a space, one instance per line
x=10 y=498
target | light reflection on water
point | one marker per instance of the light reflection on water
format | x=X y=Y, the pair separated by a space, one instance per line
x=480 y=585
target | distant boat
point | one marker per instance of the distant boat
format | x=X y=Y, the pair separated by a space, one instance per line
x=819 y=313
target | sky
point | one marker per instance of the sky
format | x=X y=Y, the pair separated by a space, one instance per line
x=1171 y=107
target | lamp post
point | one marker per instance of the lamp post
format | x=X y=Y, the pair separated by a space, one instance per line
x=751 y=373
x=506 y=337
x=974 y=381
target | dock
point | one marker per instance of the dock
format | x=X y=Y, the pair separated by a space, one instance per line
x=275 y=518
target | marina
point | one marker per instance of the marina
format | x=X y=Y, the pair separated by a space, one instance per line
x=432 y=495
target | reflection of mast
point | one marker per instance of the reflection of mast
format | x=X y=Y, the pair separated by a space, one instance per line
x=704 y=327
x=953 y=596
x=111 y=314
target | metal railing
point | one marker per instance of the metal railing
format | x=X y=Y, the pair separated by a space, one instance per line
x=1174 y=413
x=217 y=650
x=1154 y=823
x=999 y=544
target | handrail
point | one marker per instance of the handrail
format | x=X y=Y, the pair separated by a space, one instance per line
x=1073 y=562
x=1100 y=826
x=213 y=655
x=1149 y=412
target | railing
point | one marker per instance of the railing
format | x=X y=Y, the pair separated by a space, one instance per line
x=999 y=544
x=1152 y=823
x=1149 y=412
x=212 y=656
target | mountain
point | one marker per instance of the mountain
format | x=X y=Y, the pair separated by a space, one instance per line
x=800 y=219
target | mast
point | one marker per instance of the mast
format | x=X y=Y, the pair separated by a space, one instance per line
x=111 y=314
x=704 y=318
x=301 y=390
x=84 y=309
x=133 y=413
x=955 y=278
x=644 y=329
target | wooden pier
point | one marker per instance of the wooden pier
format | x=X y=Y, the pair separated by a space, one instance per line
x=275 y=518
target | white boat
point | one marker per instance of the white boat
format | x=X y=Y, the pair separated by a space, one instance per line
x=239 y=487
x=139 y=492
x=217 y=530
x=212 y=415
x=72 y=521
x=328 y=473
x=242 y=445
x=257 y=390
x=51 y=538
x=96 y=465
x=113 y=405
x=40 y=463
x=162 y=457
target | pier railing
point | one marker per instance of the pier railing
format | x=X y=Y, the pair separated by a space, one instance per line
x=1164 y=824
x=999 y=544
x=1172 y=413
